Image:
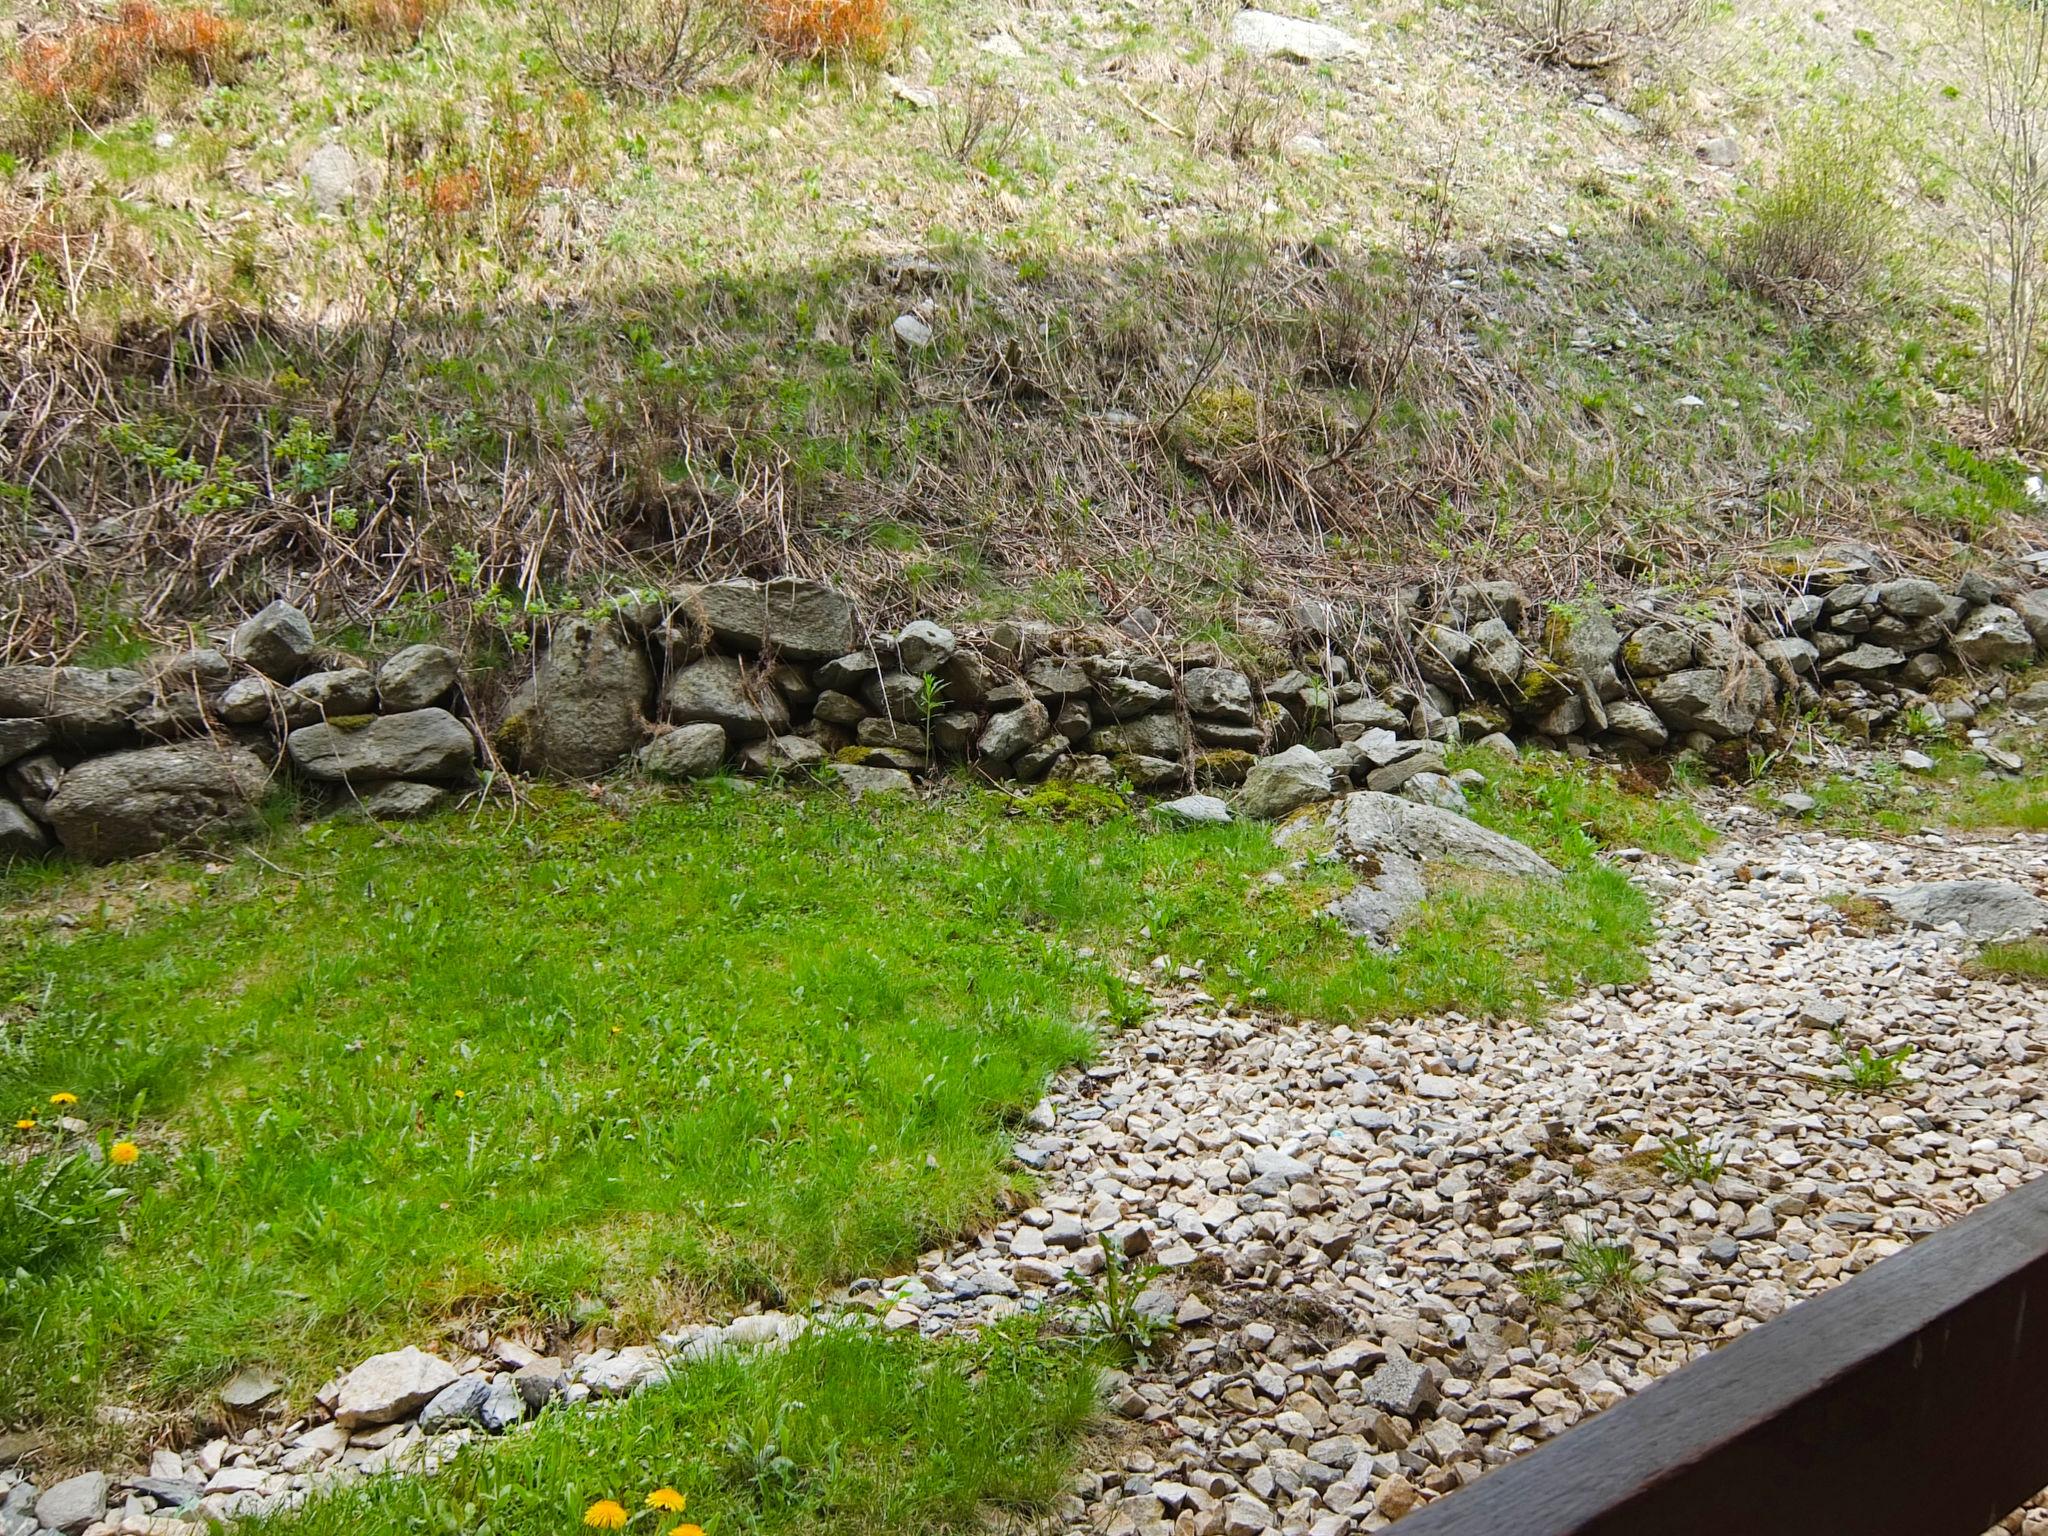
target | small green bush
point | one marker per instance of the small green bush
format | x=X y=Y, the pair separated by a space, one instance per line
x=1820 y=230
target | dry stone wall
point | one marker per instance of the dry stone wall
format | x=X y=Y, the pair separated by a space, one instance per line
x=780 y=677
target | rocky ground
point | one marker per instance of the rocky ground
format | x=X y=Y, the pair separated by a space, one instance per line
x=1340 y=1218
x=1395 y=1259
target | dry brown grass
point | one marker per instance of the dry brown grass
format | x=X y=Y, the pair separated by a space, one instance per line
x=394 y=22
x=861 y=31
x=96 y=69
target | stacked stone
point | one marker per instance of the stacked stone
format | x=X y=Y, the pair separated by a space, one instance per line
x=110 y=762
x=779 y=677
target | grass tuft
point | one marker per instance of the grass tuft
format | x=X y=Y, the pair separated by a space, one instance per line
x=2013 y=960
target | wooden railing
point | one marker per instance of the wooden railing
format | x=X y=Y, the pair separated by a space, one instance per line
x=1912 y=1400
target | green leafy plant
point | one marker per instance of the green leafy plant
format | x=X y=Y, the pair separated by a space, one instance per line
x=1114 y=1319
x=203 y=489
x=1867 y=1071
x=931 y=702
x=307 y=459
x=1693 y=1159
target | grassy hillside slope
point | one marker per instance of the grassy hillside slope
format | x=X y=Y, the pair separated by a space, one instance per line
x=1067 y=309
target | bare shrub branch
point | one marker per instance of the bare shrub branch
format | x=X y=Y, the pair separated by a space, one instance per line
x=2007 y=172
x=639 y=47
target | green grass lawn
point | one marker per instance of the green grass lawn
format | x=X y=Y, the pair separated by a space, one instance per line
x=578 y=1063
x=1960 y=791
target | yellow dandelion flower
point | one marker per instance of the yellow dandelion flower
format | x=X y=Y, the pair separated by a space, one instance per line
x=460 y=1094
x=24 y=1125
x=606 y=1515
x=123 y=1153
x=62 y=1099
x=687 y=1530
x=667 y=1500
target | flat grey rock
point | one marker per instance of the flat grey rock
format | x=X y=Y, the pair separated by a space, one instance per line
x=79 y=706
x=860 y=781
x=402 y=800
x=390 y=1386
x=75 y=1503
x=1272 y=36
x=129 y=803
x=798 y=620
x=1284 y=783
x=1206 y=809
x=1983 y=909
x=424 y=744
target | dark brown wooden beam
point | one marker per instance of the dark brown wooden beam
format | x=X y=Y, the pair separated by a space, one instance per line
x=1909 y=1401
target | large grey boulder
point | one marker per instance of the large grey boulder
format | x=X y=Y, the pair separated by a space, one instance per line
x=342 y=694
x=1658 y=648
x=799 y=620
x=1009 y=734
x=416 y=677
x=1272 y=36
x=1994 y=636
x=693 y=751
x=1721 y=703
x=1222 y=693
x=1637 y=722
x=722 y=690
x=82 y=706
x=1156 y=735
x=18 y=738
x=72 y=1505
x=277 y=641
x=1497 y=657
x=1581 y=638
x=1283 y=783
x=20 y=836
x=1393 y=842
x=1911 y=598
x=422 y=744
x=390 y=1386
x=2032 y=607
x=585 y=708
x=1983 y=909
x=129 y=803
x=401 y=800
x=1863 y=662
x=922 y=646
